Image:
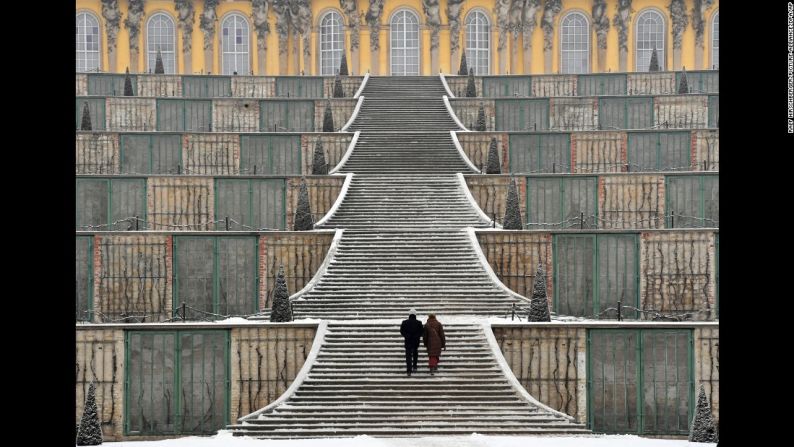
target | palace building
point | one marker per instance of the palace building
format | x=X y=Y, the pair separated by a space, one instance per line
x=395 y=37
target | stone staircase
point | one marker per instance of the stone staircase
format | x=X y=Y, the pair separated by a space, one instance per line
x=357 y=385
x=382 y=275
x=403 y=246
x=376 y=203
x=405 y=153
x=403 y=104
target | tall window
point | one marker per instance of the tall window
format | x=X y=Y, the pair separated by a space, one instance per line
x=405 y=44
x=87 y=42
x=650 y=35
x=160 y=36
x=332 y=38
x=715 y=41
x=234 y=42
x=478 y=42
x=575 y=44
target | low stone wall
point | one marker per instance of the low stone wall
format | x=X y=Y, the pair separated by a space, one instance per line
x=263 y=361
x=467 y=110
x=477 y=144
x=550 y=359
x=677 y=268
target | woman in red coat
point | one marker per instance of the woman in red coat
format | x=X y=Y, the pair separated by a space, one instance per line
x=434 y=340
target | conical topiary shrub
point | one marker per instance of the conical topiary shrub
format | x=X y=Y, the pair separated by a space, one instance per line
x=128 y=84
x=319 y=166
x=471 y=87
x=343 y=65
x=703 y=429
x=338 y=92
x=480 y=119
x=85 y=123
x=464 y=67
x=493 y=166
x=90 y=431
x=683 y=86
x=654 y=65
x=328 y=119
x=539 y=306
x=303 y=215
x=512 y=220
x=158 y=64
x=282 y=308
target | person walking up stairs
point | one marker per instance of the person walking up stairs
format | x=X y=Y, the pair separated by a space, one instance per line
x=411 y=329
x=435 y=341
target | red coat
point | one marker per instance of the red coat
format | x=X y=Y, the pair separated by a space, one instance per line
x=433 y=337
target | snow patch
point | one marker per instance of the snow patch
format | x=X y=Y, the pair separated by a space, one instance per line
x=361 y=87
x=463 y=154
x=326 y=262
x=319 y=337
x=225 y=439
x=354 y=115
x=452 y=114
x=347 y=154
x=446 y=86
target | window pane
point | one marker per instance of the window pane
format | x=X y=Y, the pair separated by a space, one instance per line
x=575 y=44
x=161 y=37
x=650 y=36
x=87 y=40
x=331 y=43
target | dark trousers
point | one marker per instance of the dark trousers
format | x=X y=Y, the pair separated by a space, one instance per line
x=411 y=356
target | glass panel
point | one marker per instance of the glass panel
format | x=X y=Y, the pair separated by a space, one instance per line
x=161 y=37
x=237 y=270
x=650 y=36
x=202 y=381
x=151 y=399
x=235 y=48
x=575 y=44
x=195 y=274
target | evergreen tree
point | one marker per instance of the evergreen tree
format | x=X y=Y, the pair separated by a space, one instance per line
x=343 y=65
x=493 y=159
x=328 y=119
x=471 y=87
x=303 y=215
x=480 y=119
x=128 y=84
x=703 y=429
x=85 y=124
x=90 y=431
x=338 y=92
x=464 y=67
x=158 y=64
x=683 y=86
x=282 y=308
x=539 y=306
x=512 y=220
x=319 y=166
x=654 y=66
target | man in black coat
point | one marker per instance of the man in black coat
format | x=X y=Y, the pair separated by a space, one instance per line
x=411 y=329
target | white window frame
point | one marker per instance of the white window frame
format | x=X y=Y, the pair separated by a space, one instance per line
x=564 y=68
x=715 y=30
x=332 y=34
x=660 y=51
x=82 y=54
x=151 y=53
x=475 y=28
x=231 y=22
x=399 y=23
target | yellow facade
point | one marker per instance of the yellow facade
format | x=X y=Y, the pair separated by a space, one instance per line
x=500 y=61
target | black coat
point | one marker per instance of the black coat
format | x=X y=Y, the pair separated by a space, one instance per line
x=412 y=330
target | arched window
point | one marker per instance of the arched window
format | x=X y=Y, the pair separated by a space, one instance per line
x=574 y=43
x=87 y=42
x=160 y=36
x=715 y=41
x=332 y=42
x=478 y=42
x=234 y=45
x=650 y=35
x=404 y=44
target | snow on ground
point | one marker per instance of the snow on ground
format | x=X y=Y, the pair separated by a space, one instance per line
x=225 y=439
